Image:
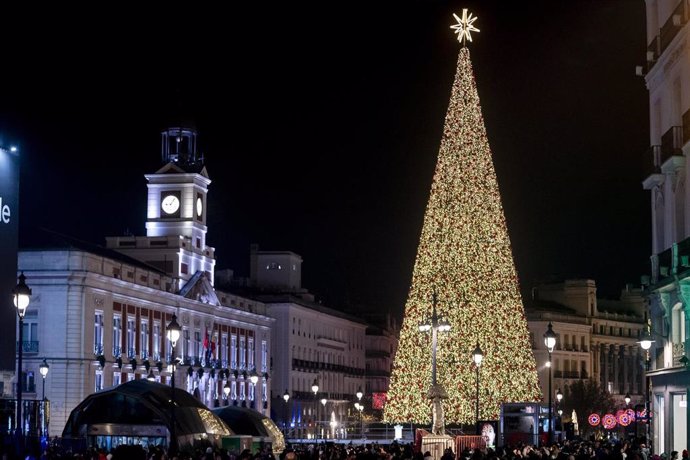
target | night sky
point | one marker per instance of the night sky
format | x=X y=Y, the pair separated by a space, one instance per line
x=321 y=128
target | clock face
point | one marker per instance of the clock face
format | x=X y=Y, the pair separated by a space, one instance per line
x=170 y=204
x=199 y=206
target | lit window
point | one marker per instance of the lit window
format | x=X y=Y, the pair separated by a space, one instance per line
x=99 y=380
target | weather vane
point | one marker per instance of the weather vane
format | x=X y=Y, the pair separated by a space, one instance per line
x=464 y=26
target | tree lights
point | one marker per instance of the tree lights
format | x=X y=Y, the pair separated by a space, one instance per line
x=464 y=255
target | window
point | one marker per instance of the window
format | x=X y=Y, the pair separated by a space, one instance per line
x=30 y=331
x=198 y=351
x=264 y=390
x=243 y=396
x=130 y=376
x=250 y=354
x=252 y=388
x=264 y=356
x=156 y=341
x=131 y=344
x=243 y=354
x=28 y=382
x=233 y=352
x=99 y=380
x=117 y=378
x=233 y=390
x=224 y=350
x=144 y=339
x=98 y=333
x=187 y=350
x=117 y=336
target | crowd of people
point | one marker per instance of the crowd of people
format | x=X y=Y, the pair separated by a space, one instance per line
x=567 y=450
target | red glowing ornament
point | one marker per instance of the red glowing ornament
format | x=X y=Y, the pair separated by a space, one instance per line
x=631 y=414
x=624 y=419
x=594 y=419
x=609 y=422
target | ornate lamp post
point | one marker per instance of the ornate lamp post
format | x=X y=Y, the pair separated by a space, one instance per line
x=360 y=407
x=21 y=295
x=173 y=332
x=477 y=356
x=43 y=369
x=286 y=398
x=646 y=343
x=550 y=342
x=436 y=392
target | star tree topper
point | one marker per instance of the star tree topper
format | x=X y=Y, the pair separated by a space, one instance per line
x=464 y=26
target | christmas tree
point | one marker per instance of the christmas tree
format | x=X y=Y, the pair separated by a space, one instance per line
x=465 y=258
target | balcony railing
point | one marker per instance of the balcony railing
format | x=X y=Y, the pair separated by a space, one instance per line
x=30 y=346
x=672 y=25
x=117 y=351
x=98 y=349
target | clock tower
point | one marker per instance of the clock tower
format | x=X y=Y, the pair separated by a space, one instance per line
x=175 y=240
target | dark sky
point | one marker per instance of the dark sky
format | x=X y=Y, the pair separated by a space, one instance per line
x=321 y=127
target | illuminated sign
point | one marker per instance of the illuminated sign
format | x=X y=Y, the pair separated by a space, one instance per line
x=9 y=206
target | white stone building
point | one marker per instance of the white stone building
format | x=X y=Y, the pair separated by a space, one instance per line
x=667 y=76
x=596 y=339
x=311 y=343
x=98 y=316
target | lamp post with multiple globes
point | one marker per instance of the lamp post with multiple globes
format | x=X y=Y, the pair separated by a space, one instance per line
x=21 y=295
x=550 y=342
x=559 y=398
x=173 y=332
x=359 y=406
x=435 y=324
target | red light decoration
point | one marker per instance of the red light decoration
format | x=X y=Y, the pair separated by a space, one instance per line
x=631 y=414
x=609 y=422
x=594 y=419
x=624 y=419
x=378 y=400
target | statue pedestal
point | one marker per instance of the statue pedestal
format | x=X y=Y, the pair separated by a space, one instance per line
x=437 y=444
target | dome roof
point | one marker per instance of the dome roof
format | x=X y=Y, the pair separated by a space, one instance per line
x=141 y=402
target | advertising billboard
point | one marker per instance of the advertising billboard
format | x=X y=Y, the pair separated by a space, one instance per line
x=9 y=231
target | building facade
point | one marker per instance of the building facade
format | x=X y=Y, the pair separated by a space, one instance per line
x=667 y=77
x=98 y=316
x=312 y=345
x=596 y=339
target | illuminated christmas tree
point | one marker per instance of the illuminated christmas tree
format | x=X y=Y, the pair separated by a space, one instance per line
x=465 y=257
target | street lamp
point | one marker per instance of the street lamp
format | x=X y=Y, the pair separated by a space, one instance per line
x=646 y=343
x=315 y=389
x=173 y=332
x=360 y=407
x=286 y=398
x=359 y=394
x=226 y=392
x=627 y=399
x=477 y=356
x=550 y=342
x=436 y=391
x=323 y=403
x=21 y=294
x=43 y=369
